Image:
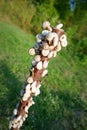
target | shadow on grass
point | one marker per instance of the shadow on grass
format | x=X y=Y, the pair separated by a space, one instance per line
x=57 y=110
x=9 y=92
x=72 y=114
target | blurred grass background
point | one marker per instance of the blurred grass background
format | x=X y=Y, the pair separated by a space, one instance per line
x=62 y=104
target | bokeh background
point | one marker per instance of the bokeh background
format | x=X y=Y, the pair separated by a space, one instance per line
x=62 y=104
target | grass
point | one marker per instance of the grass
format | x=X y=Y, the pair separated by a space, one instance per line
x=14 y=63
x=62 y=103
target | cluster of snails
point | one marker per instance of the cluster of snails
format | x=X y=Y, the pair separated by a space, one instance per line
x=47 y=44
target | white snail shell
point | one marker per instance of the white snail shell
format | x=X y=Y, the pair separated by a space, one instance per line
x=45 y=52
x=39 y=65
x=32 y=51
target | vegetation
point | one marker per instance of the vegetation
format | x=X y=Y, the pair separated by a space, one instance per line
x=62 y=104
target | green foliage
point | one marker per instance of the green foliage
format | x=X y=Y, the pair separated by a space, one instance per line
x=44 y=11
x=63 y=10
x=18 y=12
x=29 y=14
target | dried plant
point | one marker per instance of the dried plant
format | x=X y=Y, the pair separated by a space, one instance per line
x=47 y=44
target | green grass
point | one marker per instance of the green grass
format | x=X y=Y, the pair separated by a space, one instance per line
x=62 y=103
x=14 y=66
